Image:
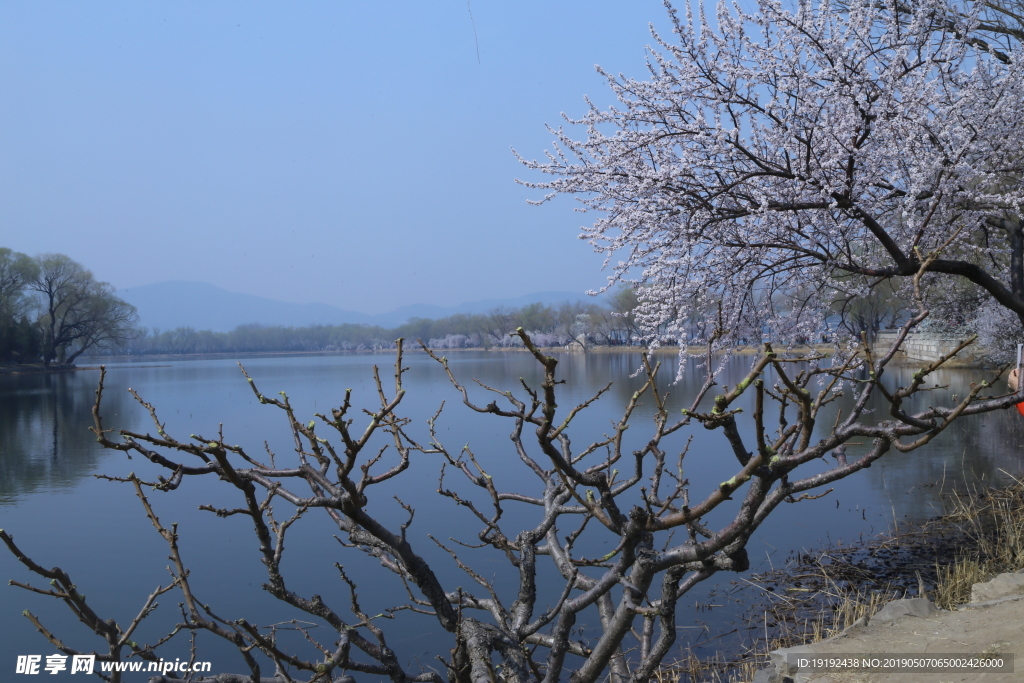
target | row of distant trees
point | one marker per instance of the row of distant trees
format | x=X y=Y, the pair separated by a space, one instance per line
x=569 y=323
x=52 y=310
x=612 y=323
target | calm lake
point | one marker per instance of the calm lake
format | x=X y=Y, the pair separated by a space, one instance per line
x=61 y=514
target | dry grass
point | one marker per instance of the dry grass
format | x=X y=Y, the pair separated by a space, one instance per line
x=994 y=522
x=807 y=618
x=848 y=607
x=714 y=670
x=955 y=580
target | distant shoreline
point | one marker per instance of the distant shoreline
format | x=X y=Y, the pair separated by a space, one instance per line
x=39 y=368
x=662 y=350
x=136 y=360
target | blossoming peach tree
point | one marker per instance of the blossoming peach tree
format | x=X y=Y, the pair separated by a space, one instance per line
x=764 y=159
x=772 y=158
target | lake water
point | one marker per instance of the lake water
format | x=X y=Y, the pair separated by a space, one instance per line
x=61 y=514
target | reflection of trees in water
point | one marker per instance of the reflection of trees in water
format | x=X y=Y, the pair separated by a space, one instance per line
x=620 y=366
x=44 y=419
x=977 y=450
x=44 y=435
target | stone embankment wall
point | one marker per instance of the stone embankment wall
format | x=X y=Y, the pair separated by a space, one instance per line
x=927 y=346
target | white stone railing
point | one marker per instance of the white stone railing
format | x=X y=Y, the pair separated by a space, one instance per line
x=927 y=346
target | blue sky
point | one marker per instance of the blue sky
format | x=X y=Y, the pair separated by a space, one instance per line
x=350 y=153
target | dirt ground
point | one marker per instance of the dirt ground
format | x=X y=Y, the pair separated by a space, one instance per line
x=995 y=629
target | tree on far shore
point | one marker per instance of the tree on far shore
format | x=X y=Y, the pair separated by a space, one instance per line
x=78 y=313
x=20 y=339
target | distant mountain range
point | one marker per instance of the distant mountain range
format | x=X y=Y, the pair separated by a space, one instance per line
x=168 y=305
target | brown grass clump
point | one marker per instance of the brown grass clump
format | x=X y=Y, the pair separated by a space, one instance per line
x=994 y=522
x=796 y=616
x=955 y=580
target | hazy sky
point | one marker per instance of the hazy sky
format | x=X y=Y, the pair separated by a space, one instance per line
x=353 y=153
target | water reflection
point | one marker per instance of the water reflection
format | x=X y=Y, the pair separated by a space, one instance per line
x=974 y=451
x=46 y=447
x=45 y=443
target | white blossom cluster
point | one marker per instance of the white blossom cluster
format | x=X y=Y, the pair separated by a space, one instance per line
x=999 y=331
x=767 y=157
x=455 y=341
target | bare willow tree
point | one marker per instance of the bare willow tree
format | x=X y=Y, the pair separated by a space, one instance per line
x=745 y=166
x=78 y=312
